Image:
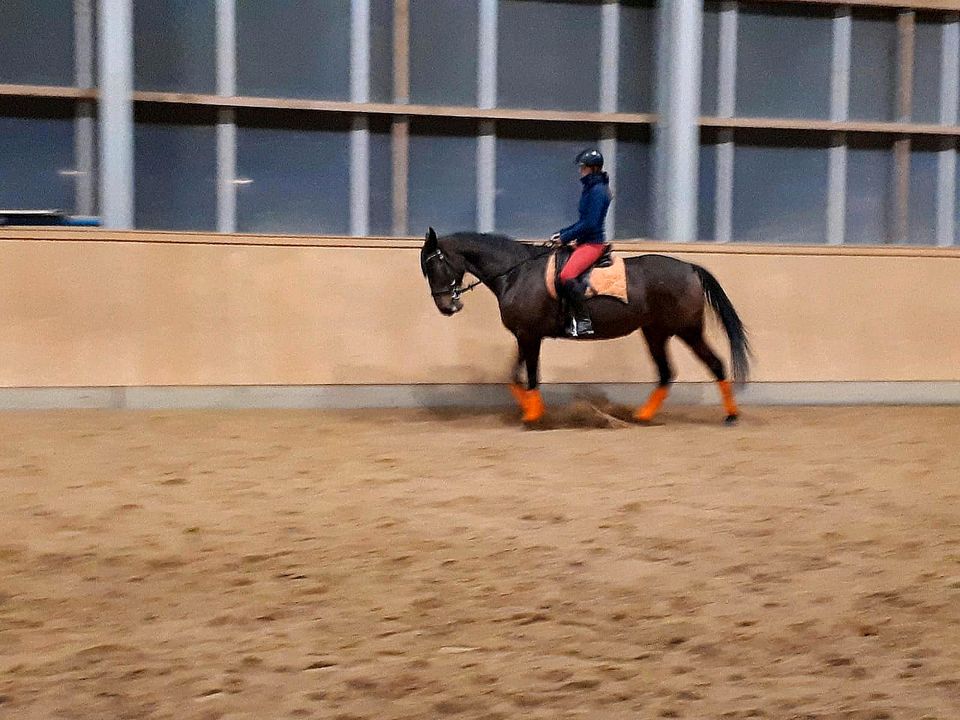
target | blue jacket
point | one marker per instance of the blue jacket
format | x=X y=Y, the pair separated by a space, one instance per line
x=594 y=201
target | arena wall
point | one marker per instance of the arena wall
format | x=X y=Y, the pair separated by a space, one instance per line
x=93 y=309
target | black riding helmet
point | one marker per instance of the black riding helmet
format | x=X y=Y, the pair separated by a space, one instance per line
x=590 y=158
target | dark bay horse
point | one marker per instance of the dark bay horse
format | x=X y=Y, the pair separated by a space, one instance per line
x=667 y=297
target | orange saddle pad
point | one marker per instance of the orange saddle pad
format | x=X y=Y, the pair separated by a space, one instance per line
x=607 y=281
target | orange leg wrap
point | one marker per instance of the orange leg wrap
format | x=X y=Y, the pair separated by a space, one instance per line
x=729 y=404
x=532 y=405
x=518 y=392
x=648 y=411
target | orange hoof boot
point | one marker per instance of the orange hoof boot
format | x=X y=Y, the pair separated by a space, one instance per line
x=518 y=393
x=652 y=406
x=532 y=405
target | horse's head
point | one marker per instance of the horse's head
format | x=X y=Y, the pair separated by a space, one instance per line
x=444 y=274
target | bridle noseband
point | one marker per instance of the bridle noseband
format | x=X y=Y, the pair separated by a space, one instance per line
x=456 y=289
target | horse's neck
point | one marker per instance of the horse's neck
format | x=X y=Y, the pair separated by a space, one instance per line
x=487 y=258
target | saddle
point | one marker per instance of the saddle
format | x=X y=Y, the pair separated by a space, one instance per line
x=607 y=276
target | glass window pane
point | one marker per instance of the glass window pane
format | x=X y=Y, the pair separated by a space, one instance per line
x=294 y=49
x=175 y=45
x=175 y=170
x=873 y=67
x=381 y=177
x=549 y=54
x=711 y=58
x=381 y=51
x=298 y=166
x=870 y=191
x=37 y=147
x=36 y=42
x=638 y=56
x=707 y=187
x=926 y=71
x=633 y=185
x=779 y=189
x=538 y=185
x=442 y=187
x=923 y=195
x=783 y=62
x=443 y=51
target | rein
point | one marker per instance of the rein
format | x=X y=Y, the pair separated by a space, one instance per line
x=455 y=290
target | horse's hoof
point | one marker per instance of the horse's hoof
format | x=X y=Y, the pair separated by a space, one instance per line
x=731 y=420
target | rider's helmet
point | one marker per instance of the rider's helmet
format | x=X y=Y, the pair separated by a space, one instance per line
x=590 y=158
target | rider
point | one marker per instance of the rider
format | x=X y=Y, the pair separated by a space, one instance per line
x=589 y=235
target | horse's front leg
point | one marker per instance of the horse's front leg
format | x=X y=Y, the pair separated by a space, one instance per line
x=517 y=385
x=530 y=400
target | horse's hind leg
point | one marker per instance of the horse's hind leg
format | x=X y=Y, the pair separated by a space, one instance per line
x=657 y=343
x=698 y=344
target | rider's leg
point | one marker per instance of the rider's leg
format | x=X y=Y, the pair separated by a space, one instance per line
x=574 y=288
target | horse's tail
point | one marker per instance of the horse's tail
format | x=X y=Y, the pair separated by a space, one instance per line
x=739 y=344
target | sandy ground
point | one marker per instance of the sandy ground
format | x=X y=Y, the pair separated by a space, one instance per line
x=805 y=564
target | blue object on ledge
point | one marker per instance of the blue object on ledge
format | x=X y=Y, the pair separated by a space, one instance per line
x=21 y=218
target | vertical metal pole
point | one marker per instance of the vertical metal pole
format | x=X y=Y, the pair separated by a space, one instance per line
x=947 y=157
x=115 y=24
x=839 y=112
x=680 y=119
x=360 y=135
x=487 y=99
x=400 y=129
x=84 y=130
x=226 y=117
x=609 y=76
x=726 y=105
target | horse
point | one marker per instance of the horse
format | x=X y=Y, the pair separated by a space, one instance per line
x=666 y=297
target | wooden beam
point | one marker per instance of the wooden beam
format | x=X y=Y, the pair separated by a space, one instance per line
x=906 y=4
x=830 y=126
x=906 y=38
x=48 y=91
x=400 y=129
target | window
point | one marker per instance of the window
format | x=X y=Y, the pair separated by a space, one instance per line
x=709 y=71
x=561 y=69
x=923 y=193
x=443 y=51
x=780 y=188
x=175 y=171
x=298 y=167
x=381 y=50
x=175 y=45
x=538 y=187
x=926 y=70
x=633 y=180
x=873 y=67
x=783 y=62
x=638 y=56
x=36 y=42
x=442 y=183
x=870 y=191
x=381 y=177
x=36 y=155
x=294 y=49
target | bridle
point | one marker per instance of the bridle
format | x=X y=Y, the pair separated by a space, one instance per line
x=455 y=290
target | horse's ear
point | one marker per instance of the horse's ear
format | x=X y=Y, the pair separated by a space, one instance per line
x=431 y=239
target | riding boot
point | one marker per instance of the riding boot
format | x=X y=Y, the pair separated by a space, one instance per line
x=579 y=324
